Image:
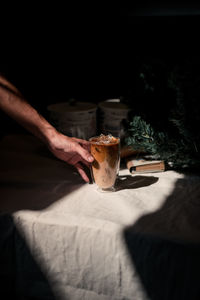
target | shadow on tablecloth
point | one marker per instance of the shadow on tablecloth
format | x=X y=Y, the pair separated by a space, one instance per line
x=164 y=246
x=16 y=264
x=134 y=182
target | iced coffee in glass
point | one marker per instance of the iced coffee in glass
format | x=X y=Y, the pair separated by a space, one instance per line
x=106 y=152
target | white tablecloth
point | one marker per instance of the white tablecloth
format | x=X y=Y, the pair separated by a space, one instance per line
x=62 y=239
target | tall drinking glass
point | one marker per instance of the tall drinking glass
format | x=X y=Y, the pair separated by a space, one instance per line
x=105 y=167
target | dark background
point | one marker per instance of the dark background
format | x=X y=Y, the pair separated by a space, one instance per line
x=54 y=53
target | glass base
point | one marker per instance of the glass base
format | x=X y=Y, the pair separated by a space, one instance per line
x=106 y=190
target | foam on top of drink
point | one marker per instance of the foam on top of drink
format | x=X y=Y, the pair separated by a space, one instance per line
x=104 y=139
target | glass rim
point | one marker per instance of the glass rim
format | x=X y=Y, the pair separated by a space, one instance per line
x=97 y=136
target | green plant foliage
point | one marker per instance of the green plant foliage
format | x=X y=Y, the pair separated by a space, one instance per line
x=174 y=135
x=180 y=152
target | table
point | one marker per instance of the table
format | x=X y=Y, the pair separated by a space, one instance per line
x=62 y=239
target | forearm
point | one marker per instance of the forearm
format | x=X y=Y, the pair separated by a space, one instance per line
x=18 y=108
x=9 y=86
x=71 y=150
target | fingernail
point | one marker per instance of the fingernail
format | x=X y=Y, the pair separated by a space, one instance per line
x=90 y=158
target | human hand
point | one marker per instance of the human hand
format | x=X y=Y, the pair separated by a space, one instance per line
x=74 y=151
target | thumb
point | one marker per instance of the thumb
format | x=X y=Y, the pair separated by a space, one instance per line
x=85 y=154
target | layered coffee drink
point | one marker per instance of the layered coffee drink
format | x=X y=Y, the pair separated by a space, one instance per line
x=106 y=152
